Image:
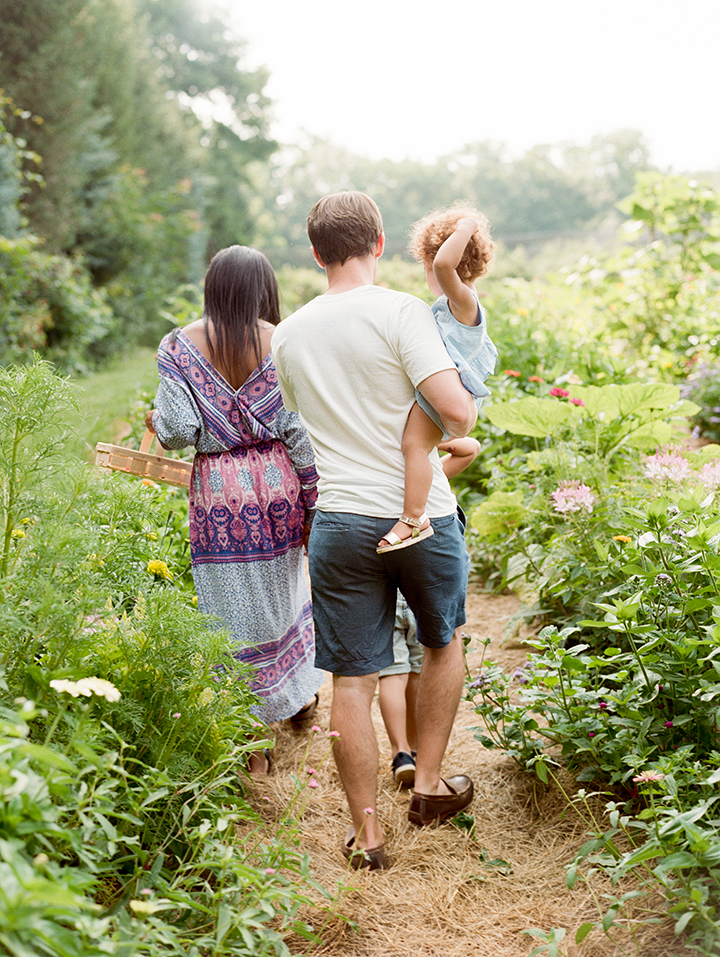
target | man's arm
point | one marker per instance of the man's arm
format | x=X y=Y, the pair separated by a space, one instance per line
x=451 y=400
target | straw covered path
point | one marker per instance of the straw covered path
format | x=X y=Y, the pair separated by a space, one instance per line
x=452 y=893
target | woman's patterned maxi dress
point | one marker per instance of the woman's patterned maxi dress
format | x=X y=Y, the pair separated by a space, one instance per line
x=253 y=481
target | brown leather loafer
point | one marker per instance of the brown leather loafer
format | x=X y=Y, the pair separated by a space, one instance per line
x=426 y=808
x=374 y=858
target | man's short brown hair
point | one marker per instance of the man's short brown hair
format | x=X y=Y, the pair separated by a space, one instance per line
x=344 y=225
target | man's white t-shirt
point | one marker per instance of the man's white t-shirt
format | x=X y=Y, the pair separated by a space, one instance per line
x=349 y=363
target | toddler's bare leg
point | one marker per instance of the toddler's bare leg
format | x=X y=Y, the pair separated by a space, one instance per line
x=420 y=437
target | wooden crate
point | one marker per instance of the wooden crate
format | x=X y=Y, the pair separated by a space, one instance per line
x=154 y=466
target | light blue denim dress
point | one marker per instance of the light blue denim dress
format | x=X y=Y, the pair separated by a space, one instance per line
x=470 y=348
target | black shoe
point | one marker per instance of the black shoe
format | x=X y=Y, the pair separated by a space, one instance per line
x=403 y=769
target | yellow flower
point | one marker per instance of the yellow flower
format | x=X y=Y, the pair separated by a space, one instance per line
x=87 y=687
x=70 y=687
x=144 y=908
x=101 y=688
x=151 y=536
x=622 y=538
x=159 y=569
x=17 y=533
x=193 y=601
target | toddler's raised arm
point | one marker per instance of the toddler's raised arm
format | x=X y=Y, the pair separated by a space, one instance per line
x=461 y=296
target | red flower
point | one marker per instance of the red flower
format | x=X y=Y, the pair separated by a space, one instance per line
x=559 y=393
x=512 y=372
x=577 y=402
x=535 y=378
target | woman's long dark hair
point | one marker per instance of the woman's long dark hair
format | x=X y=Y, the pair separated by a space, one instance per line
x=240 y=289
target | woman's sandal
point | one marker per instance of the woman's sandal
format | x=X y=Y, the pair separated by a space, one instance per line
x=304 y=714
x=417 y=534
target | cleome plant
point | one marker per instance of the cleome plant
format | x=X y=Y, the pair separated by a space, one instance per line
x=619 y=552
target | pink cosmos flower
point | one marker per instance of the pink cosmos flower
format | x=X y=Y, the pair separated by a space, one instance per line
x=668 y=464
x=559 y=393
x=573 y=497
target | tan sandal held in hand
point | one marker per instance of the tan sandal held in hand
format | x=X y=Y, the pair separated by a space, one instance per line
x=417 y=535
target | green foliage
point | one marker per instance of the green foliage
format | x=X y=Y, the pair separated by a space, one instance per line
x=704 y=389
x=47 y=304
x=661 y=295
x=124 y=721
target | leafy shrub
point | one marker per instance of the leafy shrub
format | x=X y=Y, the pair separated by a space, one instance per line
x=47 y=304
x=703 y=388
x=124 y=721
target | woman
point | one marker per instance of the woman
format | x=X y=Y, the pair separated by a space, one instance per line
x=252 y=491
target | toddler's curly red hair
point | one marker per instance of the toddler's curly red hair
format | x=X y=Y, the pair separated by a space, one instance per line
x=429 y=233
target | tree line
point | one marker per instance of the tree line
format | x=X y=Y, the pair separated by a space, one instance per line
x=134 y=144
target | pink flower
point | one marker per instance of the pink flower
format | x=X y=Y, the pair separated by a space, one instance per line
x=369 y=811
x=310 y=771
x=559 y=393
x=577 y=402
x=591 y=734
x=333 y=734
x=668 y=464
x=176 y=715
x=269 y=870
x=315 y=729
x=710 y=475
x=668 y=724
x=313 y=783
x=573 y=497
x=647 y=776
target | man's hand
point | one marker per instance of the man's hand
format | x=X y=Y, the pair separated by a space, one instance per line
x=149 y=421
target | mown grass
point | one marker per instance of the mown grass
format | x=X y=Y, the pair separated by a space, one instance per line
x=105 y=398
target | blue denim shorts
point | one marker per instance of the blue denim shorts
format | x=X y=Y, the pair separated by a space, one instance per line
x=354 y=589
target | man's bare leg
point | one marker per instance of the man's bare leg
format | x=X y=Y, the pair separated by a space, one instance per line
x=438 y=697
x=356 y=753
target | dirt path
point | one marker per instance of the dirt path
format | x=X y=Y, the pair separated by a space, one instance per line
x=443 y=895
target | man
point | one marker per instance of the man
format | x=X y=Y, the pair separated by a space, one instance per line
x=349 y=362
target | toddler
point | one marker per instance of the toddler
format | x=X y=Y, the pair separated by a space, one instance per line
x=455 y=247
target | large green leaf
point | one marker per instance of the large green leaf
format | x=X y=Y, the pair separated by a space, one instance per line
x=499 y=514
x=531 y=416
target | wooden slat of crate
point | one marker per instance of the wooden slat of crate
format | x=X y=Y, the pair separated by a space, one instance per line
x=158 y=468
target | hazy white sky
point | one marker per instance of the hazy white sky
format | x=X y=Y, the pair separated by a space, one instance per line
x=414 y=78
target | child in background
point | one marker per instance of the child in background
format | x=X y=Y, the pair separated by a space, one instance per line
x=399 y=681
x=455 y=247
